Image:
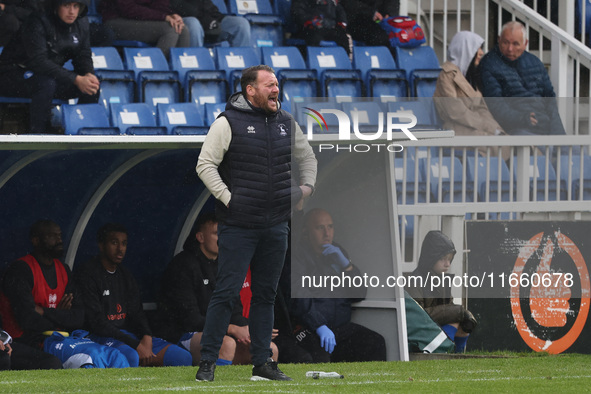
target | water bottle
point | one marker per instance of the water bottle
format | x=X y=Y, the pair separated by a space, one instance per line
x=324 y=375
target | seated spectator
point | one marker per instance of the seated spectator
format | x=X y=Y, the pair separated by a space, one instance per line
x=39 y=300
x=17 y=356
x=150 y=22
x=437 y=253
x=327 y=332
x=210 y=25
x=322 y=20
x=463 y=108
x=187 y=286
x=364 y=17
x=114 y=312
x=526 y=102
x=12 y=15
x=32 y=64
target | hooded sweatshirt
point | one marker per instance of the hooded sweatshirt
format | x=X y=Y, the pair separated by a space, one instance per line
x=437 y=302
x=463 y=48
x=44 y=43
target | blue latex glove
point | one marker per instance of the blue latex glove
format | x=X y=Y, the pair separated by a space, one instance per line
x=327 y=339
x=336 y=255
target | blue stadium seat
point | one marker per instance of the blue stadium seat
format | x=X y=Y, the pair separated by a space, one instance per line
x=233 y=60
x=212 y=110
x=424 y=82
x=538 y=172
x=578 y=182
x=380 y=73
x=181 y=118
x=202 y=82
x=409 y=181
x=296 y=81
x=304 y=113
x=368 y=115
x=337 y=76
x=422 y=109
x=87 y=119
x=135 y=118
x=117 y=83
x=266 y=28
x=422 y=59
x=449 y=172
x=498 y=184
x=156 y=83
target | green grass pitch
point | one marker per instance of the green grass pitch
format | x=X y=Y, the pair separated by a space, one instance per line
x=541 y=373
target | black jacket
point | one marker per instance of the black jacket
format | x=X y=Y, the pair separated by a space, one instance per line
x=187 y=286
x=257 y=166
x=204 y=10
x=112 y=302
x=44 y=43
x=362 y=11
x=438 y=302
x=17 y=285
x=330 y=11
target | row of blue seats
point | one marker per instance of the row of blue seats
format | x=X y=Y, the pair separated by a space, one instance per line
x=193 y=115
x=138 y=119
x=492 y=182
x=145 y=75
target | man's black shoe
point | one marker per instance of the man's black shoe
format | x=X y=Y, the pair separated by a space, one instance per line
x=205 y=371
x=268 y=371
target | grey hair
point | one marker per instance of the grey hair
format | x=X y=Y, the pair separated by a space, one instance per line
x=512 y=25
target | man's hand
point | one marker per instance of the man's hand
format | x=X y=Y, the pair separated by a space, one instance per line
x=66 y=301
x=176 y=21
x=532 y=119
x=274 y=333
x=39 y=310
x=306 y=192
x=87 y=84
x=377 y=17
x=336 y=255
x=327 y=339
x=239 y=333
x=5 y=348
x=144 y=350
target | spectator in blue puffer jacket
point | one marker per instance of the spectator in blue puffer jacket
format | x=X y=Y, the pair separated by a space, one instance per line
x=509 y=71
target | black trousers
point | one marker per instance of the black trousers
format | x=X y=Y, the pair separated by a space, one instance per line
x=354 y=343
x=41 y=89
x=338 y=35
x=27 y=357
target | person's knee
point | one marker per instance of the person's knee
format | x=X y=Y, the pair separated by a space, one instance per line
x=195 y=31
x=44 y=86
x=131 y=355
x=175 y=356
x=228 y=346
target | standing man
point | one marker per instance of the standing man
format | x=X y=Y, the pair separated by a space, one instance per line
x=245 y=163
x=114 y=311
x=509 y=71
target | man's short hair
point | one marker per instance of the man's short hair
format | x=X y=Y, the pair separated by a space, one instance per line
x=250 y=75
x=512 y=25
x=39 y=227
x=102 y=233
x=202 y=220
